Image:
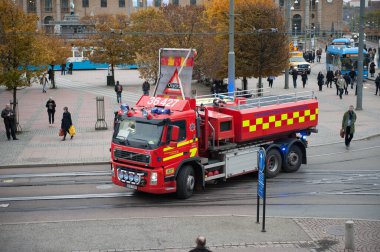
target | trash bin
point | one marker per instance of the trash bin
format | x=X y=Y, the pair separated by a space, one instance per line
x=110 y=81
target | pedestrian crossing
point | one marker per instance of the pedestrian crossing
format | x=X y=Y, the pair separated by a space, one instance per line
x=99 y=90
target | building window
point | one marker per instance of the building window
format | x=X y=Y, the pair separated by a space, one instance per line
x=281 y=3
x=32 y=6
x=175 y=2
x=121 y=3
x=157 y=3
x=65 y=5
x=193 y=2
x=103 y=3
x=48 y=6
x=85 y=3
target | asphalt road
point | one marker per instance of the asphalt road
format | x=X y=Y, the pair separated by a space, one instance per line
x=335 y=183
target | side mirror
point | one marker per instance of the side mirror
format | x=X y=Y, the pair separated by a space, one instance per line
x=175 y=133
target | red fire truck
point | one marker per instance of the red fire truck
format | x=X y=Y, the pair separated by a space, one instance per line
x=165 y=144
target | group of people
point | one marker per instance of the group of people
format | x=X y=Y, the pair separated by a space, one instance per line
x=69 y=68
x=342 y=82
x=119 y=90
x=295 y=74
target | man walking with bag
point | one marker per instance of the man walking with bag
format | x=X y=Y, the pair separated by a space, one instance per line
x=348 y=125
x=118 y=90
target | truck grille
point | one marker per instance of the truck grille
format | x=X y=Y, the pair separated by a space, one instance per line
x=127 y=155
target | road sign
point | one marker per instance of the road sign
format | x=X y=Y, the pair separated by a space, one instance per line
x=261 y=176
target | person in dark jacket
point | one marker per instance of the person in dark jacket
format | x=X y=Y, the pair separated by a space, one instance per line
x=320 y=79
x=329 y=77
x=9 y=121
x=118 y=90
x=377 y=82
x=63 y=69
x=146 y=88
x=372 y=69
x=50 y=105
x=352 y=75
x=294 y=74
x=66 y=122
x=201 y=245
x=71 y=65
x=348 y=80
x=51 y=76
x=348 y=125
x=304 y=78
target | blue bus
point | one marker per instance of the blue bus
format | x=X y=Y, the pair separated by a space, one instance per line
x=340 y=56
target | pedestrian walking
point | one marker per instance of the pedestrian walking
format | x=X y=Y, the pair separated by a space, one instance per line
x=71 y=65
x=319 y=54
x=118 y=90
x=377 y=82
x=66 y=123
x=372 y=69
x=340 y=85
x=50 y=105
x=201 y=245
x=9 y=121
x=304 y=78
x=63 y=69
x=336 y=77
x=145 y=88
x=348 y=125
x=329 y=77
x=44 y=82
x=51 y=76
x=320 y=79
x=347 y=80
x=270 y=81
x=352 y=75
x=312 y=56
x=294 y=74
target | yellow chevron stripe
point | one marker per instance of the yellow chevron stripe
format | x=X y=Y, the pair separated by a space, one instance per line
x=172 y=157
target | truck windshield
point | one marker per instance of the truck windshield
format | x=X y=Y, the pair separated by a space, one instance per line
x=138 y=134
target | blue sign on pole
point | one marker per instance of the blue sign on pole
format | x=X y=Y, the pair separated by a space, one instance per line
x=261 y=177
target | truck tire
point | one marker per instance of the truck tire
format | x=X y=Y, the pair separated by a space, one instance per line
x=293 y=159
x=274 y=162
x=185 y=182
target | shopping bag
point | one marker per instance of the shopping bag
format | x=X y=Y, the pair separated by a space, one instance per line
x=61 y=132
x=341 y=133
x=72 y=130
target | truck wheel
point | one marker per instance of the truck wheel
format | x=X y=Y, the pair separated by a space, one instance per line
x=185 y=182
x=293 y=159
x=274 y=161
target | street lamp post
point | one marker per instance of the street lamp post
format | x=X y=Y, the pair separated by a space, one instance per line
x=289 y=7
x=231 y=53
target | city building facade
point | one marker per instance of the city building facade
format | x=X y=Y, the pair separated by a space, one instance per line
x=313 y=16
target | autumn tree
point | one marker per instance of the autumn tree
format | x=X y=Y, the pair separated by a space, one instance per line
x=261 y=47
x=110 y=44
x=170 y=26
x=22 y=55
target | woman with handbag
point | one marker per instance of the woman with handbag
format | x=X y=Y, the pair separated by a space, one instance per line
x=66 y=123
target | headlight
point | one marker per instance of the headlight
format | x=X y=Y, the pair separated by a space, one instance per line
x=120 y=174
x=136 y=179
x=153 y=178
x=130 y=177
x=308 y=66
x=126 y=176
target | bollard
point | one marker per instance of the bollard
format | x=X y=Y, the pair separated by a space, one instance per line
x=101 y=123
x=349 y=236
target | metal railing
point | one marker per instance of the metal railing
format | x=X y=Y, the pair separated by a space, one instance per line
x=251 y=93
x=275 y=99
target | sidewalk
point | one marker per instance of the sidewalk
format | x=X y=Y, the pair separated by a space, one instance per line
x=40 y=145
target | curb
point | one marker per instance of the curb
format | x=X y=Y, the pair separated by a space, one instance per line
x=54 y=164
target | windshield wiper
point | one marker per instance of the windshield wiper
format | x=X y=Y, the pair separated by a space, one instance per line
x=143 y=140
